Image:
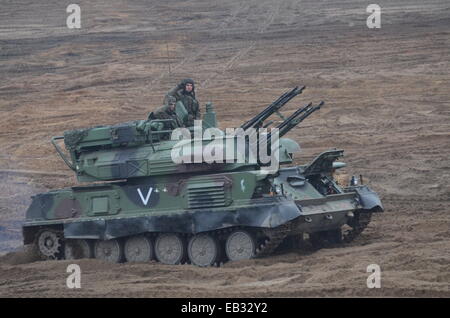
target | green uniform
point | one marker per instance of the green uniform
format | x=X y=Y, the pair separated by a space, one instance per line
x=187 y=98
x=164 y=112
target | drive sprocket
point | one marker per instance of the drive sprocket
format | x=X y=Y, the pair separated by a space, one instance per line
x=49 y=244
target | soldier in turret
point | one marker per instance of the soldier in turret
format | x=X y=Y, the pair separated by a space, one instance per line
x=167 y=111
x=185 y=92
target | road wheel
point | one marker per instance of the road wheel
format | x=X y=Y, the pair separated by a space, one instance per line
x=203 y=250
x=138 y=249
x=76 y=249
x=110 y=251
x=240 y=245
x=169 y=248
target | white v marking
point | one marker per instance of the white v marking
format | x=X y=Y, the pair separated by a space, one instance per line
x=145 y=201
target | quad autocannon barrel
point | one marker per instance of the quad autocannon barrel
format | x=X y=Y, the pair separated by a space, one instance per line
x=258 y=120
x=297 y=117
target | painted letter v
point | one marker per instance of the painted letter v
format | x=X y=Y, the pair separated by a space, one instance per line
x=145 y=201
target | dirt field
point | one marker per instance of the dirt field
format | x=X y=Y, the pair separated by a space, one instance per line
x=387 y=94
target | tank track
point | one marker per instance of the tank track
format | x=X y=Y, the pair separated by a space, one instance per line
x=275 y=237
x=336 y=237
x=358 y=225
x=266 y=240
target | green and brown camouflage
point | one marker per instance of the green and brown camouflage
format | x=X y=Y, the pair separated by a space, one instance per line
x=149 y=196
x=187 y=99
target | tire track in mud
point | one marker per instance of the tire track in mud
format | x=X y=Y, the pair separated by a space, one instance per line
x=242 y=7
x=273 y=12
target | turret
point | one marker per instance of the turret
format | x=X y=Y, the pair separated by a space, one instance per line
x=140 y=149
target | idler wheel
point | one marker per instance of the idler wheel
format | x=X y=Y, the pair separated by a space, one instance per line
x=77 y=249
x=203 y=250
x=240 y=245
x=110 y=251
x=169 y=248
x=138 y=249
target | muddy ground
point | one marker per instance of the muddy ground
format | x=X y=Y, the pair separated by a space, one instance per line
x=387 y=95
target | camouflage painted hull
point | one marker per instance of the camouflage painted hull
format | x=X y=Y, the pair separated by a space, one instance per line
x=311 y=215
x=213 y=204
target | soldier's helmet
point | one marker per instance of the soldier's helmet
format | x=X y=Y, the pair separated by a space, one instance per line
x=187 y=81
x=171 y=100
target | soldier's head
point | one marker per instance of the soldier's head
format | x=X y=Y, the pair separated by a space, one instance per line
x=188 y=85
x=171 y=101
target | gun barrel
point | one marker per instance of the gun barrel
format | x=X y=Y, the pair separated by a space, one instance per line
x=294 y=115
x=272 y=108
x=298 y=119
x=295 y=119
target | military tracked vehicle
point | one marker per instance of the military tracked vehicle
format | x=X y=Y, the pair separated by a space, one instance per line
x=143 y=205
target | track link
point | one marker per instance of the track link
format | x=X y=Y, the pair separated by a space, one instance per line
x=358 y=225
x=275 y=237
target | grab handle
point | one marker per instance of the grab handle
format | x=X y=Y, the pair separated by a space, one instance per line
x=61 y=153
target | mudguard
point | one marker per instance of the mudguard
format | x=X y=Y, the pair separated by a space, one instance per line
x=369 y=199
x=265 y=213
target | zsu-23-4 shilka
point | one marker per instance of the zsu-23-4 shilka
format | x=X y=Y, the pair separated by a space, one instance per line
x=143 y=206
